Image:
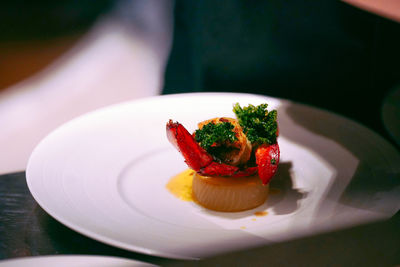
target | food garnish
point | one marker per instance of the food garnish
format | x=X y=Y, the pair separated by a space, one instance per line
x=259 y=125
x=228 y=147
x=212 y=134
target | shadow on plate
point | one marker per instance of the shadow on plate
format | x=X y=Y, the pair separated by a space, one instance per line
x=283 y=197
x=374 y=185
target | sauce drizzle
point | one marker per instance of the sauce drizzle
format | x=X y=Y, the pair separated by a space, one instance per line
x=181 y=185
x=261 y=213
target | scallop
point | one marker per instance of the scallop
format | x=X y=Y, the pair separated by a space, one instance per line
x=238 y=152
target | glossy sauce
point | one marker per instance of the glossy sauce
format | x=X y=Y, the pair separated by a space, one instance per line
x=181 y=185
x=261 y=213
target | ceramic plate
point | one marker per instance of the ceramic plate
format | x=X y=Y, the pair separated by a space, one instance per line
x=104 y=175
x=72 y=260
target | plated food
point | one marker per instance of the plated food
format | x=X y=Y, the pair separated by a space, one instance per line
x=320 y=167
x=233 y=159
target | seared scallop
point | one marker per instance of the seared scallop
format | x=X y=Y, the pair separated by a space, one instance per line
x=232 y=153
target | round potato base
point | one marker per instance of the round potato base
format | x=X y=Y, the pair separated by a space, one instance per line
x=229 y=194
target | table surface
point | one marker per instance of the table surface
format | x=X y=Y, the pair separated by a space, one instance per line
x=27 y=230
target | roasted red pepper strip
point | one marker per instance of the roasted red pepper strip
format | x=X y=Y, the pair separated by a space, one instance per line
x=267 y=159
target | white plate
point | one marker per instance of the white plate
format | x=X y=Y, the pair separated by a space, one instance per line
x=104 y=175
x=72 y=260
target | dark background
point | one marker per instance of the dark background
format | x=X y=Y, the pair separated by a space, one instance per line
x=324 y=53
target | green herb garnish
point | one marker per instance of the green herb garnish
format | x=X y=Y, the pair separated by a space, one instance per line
x=215 y=134
x=258 y=124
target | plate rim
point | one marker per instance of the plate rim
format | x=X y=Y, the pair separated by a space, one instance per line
x=131 y=247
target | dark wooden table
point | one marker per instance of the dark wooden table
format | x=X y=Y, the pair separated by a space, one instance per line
x=27 y=230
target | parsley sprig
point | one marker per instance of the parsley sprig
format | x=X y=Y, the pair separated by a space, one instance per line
x=213 y=134
x=258 y=124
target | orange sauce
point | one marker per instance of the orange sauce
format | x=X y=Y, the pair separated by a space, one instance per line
x=181 y=185
x=261 y=213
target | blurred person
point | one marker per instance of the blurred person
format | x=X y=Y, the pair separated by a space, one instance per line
x=324 y=53
x=59 y=60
